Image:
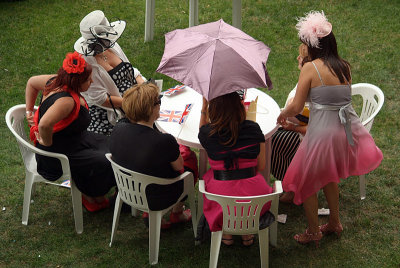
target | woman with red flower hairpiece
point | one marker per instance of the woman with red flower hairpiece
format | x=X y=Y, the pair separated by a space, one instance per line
x=59 y=125
x=336 y=144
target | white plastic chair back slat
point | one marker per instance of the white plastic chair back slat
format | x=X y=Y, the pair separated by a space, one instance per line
x=15 y=117
x=132 y=191
x=241 y=216
x=373 y=100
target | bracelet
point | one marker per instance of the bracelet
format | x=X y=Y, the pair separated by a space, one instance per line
x=28 y=112
x=203 y=112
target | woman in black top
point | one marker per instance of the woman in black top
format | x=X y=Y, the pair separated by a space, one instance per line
x=60 y=125
x=136 y=145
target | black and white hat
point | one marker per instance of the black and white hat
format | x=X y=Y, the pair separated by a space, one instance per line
x=96 y=30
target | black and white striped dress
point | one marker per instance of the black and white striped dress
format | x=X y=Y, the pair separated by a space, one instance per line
x=284 y=147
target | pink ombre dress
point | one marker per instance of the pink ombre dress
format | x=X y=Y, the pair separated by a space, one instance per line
x=335 y=146
x=244 y=155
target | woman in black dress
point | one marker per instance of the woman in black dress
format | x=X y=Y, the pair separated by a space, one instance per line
x=60 y=126
x=135 y=144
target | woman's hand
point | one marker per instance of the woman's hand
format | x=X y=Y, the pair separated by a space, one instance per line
x=41 y=141
x=204 y=113
x=29 y=117
x=281 y=120
x=205 y=105
x=289 y=126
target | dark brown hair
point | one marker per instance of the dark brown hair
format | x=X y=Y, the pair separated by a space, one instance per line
x=327 y=51
x=226 y=113
x=72 y=81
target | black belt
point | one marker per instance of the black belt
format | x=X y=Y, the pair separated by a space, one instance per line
x=235 y=174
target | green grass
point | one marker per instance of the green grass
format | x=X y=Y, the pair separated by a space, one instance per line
x=35 y=37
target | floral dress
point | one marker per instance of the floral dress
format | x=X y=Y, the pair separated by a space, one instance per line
x=123 y=77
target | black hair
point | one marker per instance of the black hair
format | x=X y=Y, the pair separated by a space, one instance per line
x=327 y=51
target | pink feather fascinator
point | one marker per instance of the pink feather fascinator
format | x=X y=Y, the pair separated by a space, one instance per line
x=312 y=27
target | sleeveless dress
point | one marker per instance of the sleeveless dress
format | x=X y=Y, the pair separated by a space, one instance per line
x=335 y=146
x=123 y=77
x=85 y=150
x=244 y=154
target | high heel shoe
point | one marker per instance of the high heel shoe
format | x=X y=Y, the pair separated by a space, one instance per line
x=327 y=229
x=307 y=237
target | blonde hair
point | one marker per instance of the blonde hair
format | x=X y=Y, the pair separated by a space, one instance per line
x=138 y=102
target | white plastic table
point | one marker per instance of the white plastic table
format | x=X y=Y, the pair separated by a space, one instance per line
x=186 y=134
x=193 y=16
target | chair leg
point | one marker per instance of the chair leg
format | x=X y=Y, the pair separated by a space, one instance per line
x=273 y=234
x=117 y=211
x=77 y=207
x=134 y=212
x=264 y=247
x=154 y=235
x=216 y=238
x=362 y=187
x=199 y=205
x=33 y=191
x=193 y=210
x=29 y=181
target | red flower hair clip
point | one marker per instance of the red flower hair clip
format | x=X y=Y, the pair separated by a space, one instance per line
x=74 y=63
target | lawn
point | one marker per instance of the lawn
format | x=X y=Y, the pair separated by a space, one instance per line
x=36 y=35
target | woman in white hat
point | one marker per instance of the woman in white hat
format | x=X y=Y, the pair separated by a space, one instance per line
x=112 y=73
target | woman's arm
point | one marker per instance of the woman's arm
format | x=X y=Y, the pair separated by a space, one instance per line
x=303 y=86
x=261 y=158
x=204 y=113
x=297 y=128
x=139 y=79
x=116 y=101
x=178 y=163
x=57 y=112
x=34 y=85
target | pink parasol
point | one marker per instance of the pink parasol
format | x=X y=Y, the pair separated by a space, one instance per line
x=215 y=59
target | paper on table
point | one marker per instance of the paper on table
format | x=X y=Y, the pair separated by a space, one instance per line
x=175 y=116
x=173 y=90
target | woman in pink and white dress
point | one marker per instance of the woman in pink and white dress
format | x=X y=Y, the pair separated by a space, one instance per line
x=336 y=144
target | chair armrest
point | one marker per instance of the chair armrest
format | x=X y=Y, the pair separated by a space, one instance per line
x=201 y=187
x=278 y=187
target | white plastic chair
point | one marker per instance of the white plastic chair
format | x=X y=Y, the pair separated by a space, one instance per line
x=373 y=100
x=15 y=121
x=245 y=220
x=132 y=190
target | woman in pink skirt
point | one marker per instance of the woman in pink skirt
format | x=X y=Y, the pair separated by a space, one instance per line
x=236 y=152
x=336 y=144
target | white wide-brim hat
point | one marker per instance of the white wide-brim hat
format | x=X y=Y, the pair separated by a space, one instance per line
x=95 y=26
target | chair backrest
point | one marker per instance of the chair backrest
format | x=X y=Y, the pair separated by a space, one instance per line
x=241 y=214
x=373 y=100
x=15 y=117
x=132 y=185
